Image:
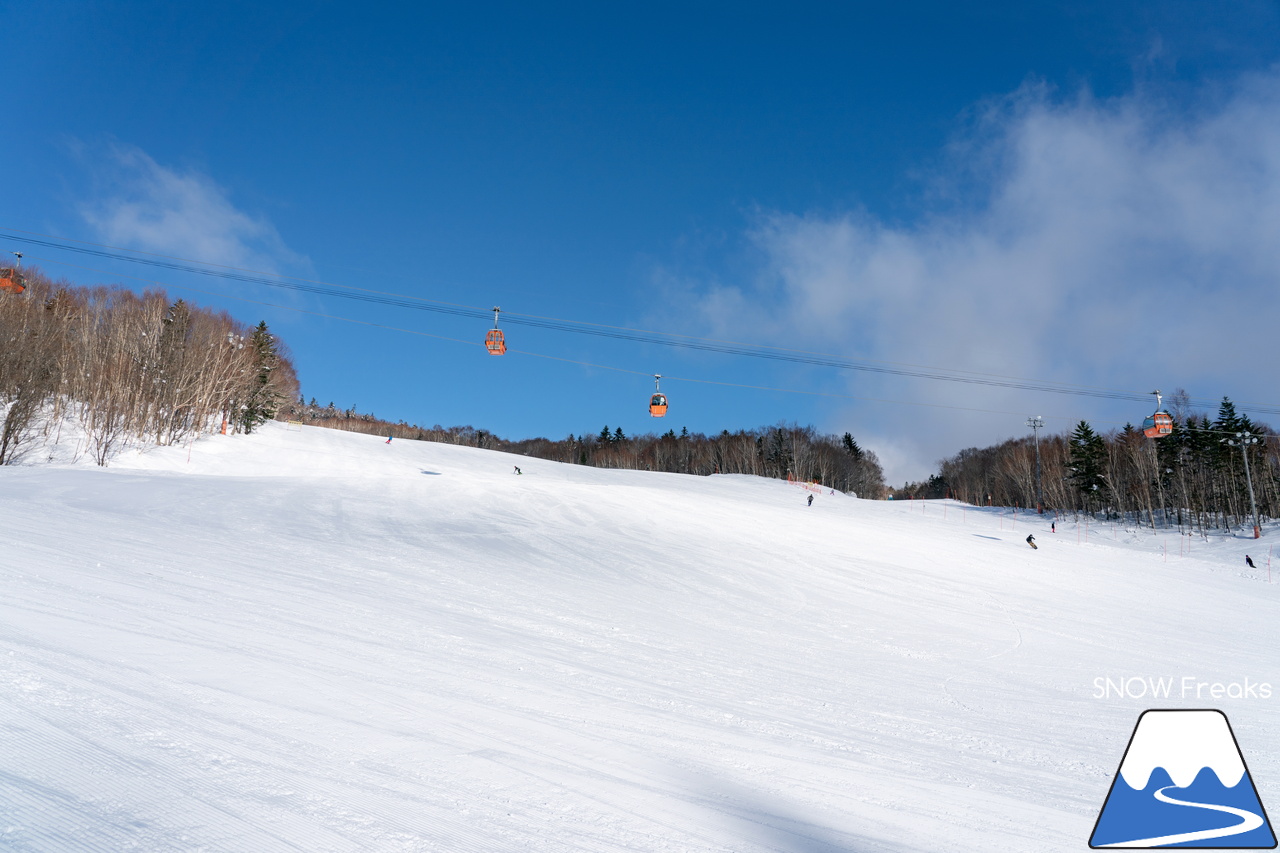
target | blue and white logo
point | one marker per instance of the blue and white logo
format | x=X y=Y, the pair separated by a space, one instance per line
x=1183 y=783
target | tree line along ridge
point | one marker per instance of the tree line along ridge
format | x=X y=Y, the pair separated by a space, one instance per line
x=1192 y=479
x=131 y=367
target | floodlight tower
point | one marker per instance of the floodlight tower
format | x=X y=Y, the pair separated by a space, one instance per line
x=1037 y=424
x=1244 y=439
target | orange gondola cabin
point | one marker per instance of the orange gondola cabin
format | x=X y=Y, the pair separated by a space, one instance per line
x=494 y=341
x=658 y=402
x=1159 y=424
x=11 y=280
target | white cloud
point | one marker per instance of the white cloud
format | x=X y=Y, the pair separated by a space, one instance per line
x=141 y=204
x=1124 y=244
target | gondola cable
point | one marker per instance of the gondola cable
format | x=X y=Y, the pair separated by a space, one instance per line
x=615 y=332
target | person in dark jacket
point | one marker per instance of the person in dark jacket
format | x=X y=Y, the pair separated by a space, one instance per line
x=1248 y=561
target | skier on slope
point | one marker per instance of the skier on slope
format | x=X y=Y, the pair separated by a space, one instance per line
x=810 y=500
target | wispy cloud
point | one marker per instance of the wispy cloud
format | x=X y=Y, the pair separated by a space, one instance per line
x=1125 y=243
x=139 y=203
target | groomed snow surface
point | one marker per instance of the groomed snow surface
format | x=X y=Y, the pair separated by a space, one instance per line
x=308 y=640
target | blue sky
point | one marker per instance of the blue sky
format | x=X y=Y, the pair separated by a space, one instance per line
x=1082 y=194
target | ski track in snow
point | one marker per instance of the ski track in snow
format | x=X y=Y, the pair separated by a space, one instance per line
x=311 y=640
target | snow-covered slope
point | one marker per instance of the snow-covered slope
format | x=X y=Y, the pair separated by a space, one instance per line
x=313 y=640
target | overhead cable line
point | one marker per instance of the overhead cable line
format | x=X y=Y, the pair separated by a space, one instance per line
x=575 y=326
x=532 y=320
x=544 y=355
x=599 y=330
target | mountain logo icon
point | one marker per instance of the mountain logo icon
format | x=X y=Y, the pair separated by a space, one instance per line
x=1183 y=783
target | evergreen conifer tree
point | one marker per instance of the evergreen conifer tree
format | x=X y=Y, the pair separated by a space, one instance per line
x=1087 y=461
x=1230 y=423
x=263 y=400
x=1228 y=420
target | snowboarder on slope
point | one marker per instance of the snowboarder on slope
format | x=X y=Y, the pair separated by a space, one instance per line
x=810 y=500
x=517 y=467
x=1248 y=561
x=1031 y=540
